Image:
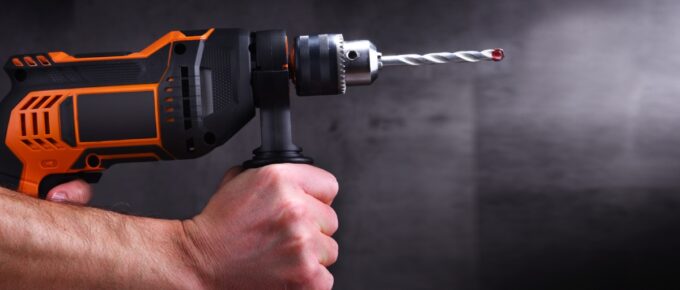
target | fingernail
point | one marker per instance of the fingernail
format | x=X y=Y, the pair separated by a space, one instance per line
x=59 y=196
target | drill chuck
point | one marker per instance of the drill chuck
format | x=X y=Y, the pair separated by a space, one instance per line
x=326 y=64
x=362 y=62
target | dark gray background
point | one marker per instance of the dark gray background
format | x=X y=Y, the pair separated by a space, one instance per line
x=558 y=168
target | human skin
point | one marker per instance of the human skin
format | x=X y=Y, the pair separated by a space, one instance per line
x=266 y=228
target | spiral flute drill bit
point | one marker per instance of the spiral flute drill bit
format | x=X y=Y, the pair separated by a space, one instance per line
x=442 y=57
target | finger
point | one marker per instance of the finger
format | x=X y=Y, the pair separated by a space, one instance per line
x=231 y=174
x=319 y=279
x=328 y=279
x=315 y=181
x=323 y=185
x=324 y=216
x=323 y=280
x=327 y=250
x=76 y=192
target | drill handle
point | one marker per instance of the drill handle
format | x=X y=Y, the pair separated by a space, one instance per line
x=270 y=81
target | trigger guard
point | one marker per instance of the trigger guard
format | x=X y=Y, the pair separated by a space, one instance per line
x=51 y=181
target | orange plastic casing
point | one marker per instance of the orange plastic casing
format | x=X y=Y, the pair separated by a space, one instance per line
x=34 y=130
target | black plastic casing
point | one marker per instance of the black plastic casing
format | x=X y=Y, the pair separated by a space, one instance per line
x=213 y=79
x=316 y=65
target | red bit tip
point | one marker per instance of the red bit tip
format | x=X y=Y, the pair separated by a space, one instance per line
x=497 y=54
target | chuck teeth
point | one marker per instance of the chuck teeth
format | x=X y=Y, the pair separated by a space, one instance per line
x=342 y=62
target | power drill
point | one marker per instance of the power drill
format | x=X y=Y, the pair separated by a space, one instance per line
x=72 y=116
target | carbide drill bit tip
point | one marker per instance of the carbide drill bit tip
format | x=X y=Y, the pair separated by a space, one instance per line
x=442 y=57
x=497 y=54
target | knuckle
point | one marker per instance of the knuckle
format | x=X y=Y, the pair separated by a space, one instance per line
x=300 y=243
x=293 y=211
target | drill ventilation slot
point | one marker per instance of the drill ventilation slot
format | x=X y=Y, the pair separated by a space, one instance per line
x=186 y=101
x=36 y=133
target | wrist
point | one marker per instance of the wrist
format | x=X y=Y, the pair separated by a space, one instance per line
x=188 y=273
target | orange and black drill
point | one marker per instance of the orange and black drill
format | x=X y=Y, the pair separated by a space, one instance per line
x=72 y=116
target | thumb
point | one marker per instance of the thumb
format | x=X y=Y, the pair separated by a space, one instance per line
x=76 y=192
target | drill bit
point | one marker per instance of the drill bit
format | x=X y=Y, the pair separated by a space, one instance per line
x=442 y=57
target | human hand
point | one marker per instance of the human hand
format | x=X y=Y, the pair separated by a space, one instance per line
x=267 y=228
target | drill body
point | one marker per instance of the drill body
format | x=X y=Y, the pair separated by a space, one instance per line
x=70 y=117
x=73 y=116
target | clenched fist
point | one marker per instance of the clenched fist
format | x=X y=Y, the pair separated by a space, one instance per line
x=266 y=228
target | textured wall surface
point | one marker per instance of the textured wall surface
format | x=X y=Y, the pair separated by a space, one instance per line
x=558 y=168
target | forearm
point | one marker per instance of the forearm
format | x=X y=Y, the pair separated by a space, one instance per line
x=49 y=245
